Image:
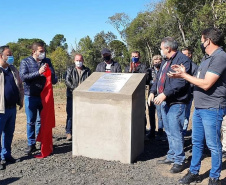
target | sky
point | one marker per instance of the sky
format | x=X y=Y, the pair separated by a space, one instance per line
x=74 y=19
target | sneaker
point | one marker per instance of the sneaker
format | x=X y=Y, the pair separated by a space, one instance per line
x=30 y=149
x=213 y=181
x=10 y=160
x=189 y=178
x=177 y=168
x=164 y=161
x=69 y=137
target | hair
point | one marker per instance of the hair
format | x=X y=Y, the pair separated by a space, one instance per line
x=214 y=34
x=170 y=42
x=136 y=52
x=190 y=50
x=35 y=45
x=156 y=57
x=79 y=55
x=3 y=48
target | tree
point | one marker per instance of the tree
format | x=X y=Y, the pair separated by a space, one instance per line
x=58 y=41
x=60 y=61
x=120 y=21
x=119 y=52
x=22 y=49
x=86 y=48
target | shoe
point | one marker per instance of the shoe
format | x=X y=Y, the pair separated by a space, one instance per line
x=213 y=181
x=69 y=137
x=10 y=160
x=189 y=178
x=164 y=161
x=224 y=154
x=30 y=149
x=177 y=168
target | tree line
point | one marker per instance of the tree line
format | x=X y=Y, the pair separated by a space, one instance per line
x=182 y=19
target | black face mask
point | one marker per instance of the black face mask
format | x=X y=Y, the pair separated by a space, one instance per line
x=107 y=58
x=203 y=48
x=157 y=65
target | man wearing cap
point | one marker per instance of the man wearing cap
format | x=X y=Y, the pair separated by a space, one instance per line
x=108 y=65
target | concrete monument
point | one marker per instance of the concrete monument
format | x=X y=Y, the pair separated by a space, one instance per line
x=108 y=117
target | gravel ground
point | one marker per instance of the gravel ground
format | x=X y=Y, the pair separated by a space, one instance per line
x=61 y=168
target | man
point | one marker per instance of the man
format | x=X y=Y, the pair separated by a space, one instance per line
x=108 y=65
x=31 y=73
x=75 y=75
x=156 y=63
x=188 y=52
x=173 y=94
x=210 y=105
x=137 y=67
x=11 y=93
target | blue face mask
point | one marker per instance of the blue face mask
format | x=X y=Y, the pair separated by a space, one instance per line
x=135 y=60
x=10 y=60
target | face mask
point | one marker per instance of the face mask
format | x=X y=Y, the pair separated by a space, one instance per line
x=135 y=60
x=162 y=54
x=10 y=60
x=78 y=63
x=41 y=56
x=157 y=65
x=107 y=58
x=203 y=48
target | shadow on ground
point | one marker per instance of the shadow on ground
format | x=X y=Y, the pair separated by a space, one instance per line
x=9 y=180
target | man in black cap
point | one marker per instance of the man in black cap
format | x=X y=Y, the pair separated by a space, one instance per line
x=108 y=65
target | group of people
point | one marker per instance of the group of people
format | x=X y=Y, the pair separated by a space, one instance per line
x=174 y=82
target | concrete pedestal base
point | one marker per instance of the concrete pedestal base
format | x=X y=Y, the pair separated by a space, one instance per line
x=109 y=126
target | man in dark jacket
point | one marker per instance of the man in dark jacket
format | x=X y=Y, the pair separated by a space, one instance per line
x=75 y=75
x=175 y=93
x=108 y=65
x=31 y=73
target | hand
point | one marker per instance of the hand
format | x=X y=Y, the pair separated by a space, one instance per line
x=42 y=69
x=179 y=71
x=132 y=67
x=159 y=99
x=150 y=98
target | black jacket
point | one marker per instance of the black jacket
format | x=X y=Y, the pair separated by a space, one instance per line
x=142 y=68
x=29 y=74
x=72 y=78
x=177 y=90
x=115 y=67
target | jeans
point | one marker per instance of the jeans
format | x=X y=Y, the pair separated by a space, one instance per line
x=33 y=107
x=187 y=115
x=7 y=127
x=159 y=114
x=206 y=124
x=173 y=121
x=69 y=115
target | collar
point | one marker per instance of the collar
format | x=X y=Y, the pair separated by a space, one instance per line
x=216 y=52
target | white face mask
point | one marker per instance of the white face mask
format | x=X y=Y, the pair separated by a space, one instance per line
x=78 y=63
x=162 y=54
x=41 y=56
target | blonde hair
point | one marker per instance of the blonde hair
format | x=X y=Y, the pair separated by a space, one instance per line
x=156 y=57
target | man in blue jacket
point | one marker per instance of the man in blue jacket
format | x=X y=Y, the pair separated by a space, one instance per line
x=31 y=73
x=173 y=94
